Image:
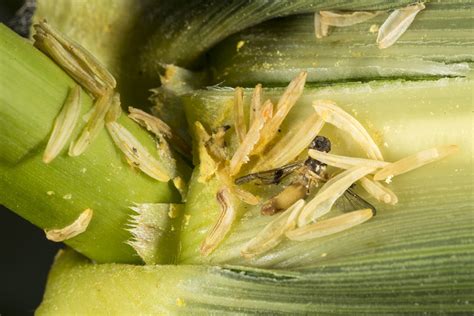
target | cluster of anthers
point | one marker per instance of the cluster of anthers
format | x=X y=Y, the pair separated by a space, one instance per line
x=274 y=158
x=99 y=83
x=387 y=34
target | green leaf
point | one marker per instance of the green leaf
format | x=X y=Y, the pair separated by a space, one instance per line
x=439 y=43
x=418 y=283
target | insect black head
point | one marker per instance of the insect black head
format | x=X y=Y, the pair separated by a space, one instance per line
x=321 y=143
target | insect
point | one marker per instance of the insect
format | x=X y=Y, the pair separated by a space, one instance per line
x=309 y=173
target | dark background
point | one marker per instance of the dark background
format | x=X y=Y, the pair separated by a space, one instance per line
x=26 y=255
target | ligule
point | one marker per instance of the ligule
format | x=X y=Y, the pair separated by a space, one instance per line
x=152 y=226
x=272 y=234
x=415 y=161
x=136 y=154
x=75 y=228
x=64 y=125
x=396 y=24
x=223 y=224
x=334 y=115
x=330 y=226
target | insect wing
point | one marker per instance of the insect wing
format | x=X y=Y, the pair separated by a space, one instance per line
x=351 y=201
x=273 y=176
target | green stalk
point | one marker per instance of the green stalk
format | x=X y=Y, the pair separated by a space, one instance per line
x=433 y=215
x=439 y=43
x=33 y=89
x=380 y=286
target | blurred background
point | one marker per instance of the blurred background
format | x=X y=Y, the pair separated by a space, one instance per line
x=26 y=255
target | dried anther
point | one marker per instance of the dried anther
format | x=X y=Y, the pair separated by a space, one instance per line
x=223 y=224
x=255 y=103
x=334 y=115
x=76 y=60
x=77 y=227
x=159 y=128
x=344 y=162
x=342 y=19
x=378 y=191
x=284 y=105
x=64 y=124
x=396 y=24
x=330 y=226
x=241 y=155
x=292 y=144
x=324 y=19
x=136 y=153
x=415 y=161
x=323 y=201
x=115 y=110
x=93 y=126
x=239 y=119
x=273 y=233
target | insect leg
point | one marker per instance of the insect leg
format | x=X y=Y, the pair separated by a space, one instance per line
x=284 y=199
